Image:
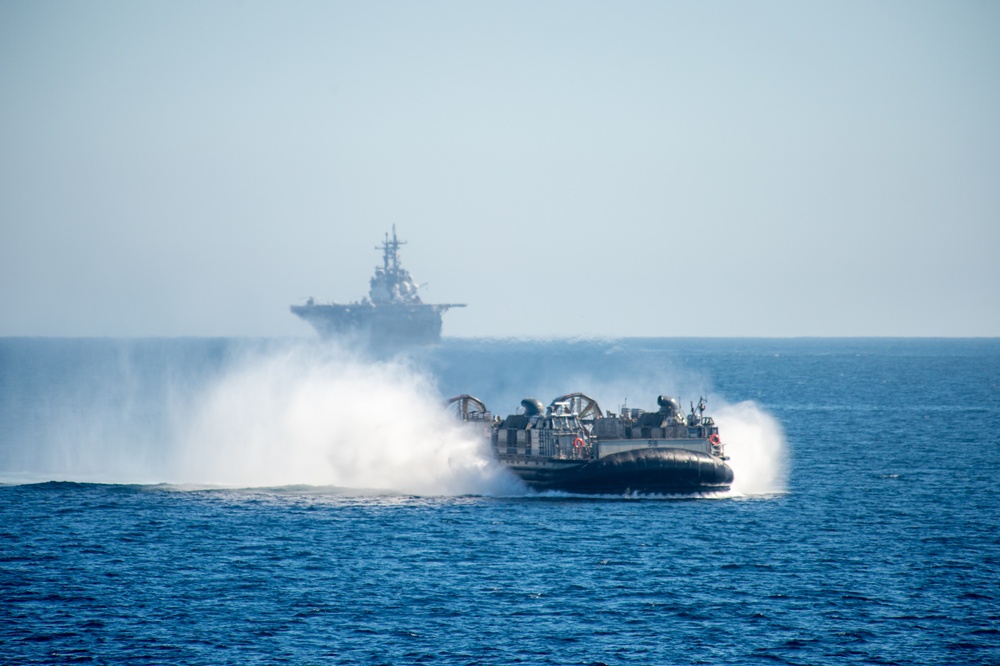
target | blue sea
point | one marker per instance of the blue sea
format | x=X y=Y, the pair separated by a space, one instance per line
x=241 y=501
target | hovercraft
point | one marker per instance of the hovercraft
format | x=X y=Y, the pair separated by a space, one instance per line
x=571 y=446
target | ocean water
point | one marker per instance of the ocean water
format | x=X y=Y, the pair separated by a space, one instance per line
x=207 y=501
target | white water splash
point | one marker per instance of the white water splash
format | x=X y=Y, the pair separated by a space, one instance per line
x=323 y=418
x=301 y=414
x=755 y=444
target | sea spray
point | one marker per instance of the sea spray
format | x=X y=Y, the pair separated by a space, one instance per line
x=320 y=416
x=241 y=412
x=755 y=444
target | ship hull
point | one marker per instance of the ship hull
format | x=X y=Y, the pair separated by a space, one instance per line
x=644 y=471
x=382 y=325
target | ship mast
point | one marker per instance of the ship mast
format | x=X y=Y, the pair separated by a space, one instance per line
x=390 y=249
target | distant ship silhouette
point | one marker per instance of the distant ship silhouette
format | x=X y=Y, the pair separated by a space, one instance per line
x=391 y=315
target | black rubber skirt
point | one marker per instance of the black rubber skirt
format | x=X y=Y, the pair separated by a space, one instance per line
x=656 y=471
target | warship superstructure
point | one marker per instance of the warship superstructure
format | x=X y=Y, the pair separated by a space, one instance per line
x=392 y=315
x=572 y=446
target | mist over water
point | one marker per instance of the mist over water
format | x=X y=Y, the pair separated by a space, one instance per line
x=755 y=444
x=321 y=417
x=237 y=413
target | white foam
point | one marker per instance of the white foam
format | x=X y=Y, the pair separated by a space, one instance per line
x=755 y=444
x=320 y=417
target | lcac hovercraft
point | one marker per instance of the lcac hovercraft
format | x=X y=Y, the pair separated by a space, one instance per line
x=571 y=446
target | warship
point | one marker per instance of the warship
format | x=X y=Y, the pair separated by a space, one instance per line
x=571 y=446
x=392 y=315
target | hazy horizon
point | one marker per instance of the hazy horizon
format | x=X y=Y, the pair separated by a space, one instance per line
x=567 y=169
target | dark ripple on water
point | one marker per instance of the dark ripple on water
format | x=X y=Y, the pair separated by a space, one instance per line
x=154 y=575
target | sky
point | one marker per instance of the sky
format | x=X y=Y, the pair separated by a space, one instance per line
x=566 y=168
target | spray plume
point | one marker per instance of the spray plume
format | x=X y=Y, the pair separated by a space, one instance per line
x=320 y=417
x=755 y=444
x=316 y=415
